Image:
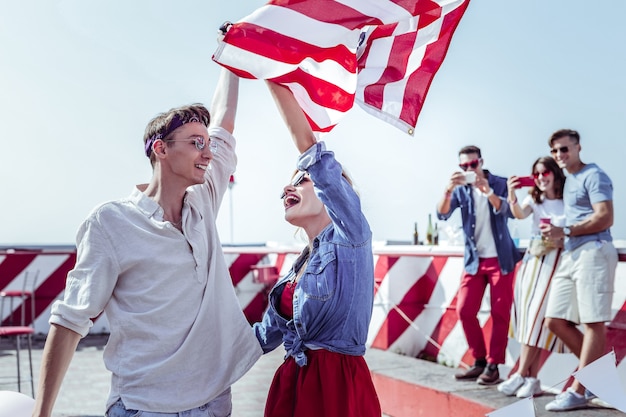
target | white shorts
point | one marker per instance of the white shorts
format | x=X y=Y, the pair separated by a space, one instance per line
x=582 y=287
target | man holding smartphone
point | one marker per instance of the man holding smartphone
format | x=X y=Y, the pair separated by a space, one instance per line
x=582 y=287
x=490 y=258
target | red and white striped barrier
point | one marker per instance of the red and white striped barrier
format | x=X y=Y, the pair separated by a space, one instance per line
x=414 y=306
x=414 y=312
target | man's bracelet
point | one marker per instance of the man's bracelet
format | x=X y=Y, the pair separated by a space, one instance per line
x=490 y=193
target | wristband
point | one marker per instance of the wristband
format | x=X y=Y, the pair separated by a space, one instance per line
x=490 y=193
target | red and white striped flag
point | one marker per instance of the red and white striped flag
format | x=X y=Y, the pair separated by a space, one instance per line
x=384 y=53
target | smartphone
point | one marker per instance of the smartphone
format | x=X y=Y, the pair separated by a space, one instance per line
x=526 y=181
x=470 y=177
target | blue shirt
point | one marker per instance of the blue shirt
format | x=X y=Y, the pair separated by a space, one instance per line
x=586 y=187
x=508 y=254
x=332 y=302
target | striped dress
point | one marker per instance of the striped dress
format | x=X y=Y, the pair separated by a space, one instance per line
x=532 y=285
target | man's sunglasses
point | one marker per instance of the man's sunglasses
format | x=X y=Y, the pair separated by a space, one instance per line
x=562 y=149
x=199 y=142
x=297 y=180
x=471 y=164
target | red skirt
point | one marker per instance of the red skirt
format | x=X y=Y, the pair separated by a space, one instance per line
x=329 y=385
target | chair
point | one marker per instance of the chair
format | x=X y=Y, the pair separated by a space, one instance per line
x=27 y=293
x=268 y=274
x=17 y=332
x=264 y=274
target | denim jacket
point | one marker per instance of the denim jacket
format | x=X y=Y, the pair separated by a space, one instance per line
x=332 y=302
x=508 y=254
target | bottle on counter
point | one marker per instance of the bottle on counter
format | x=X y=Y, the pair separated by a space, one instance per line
x=415 y=235
x=429 y=230
x=515 y=234
x=436 y=235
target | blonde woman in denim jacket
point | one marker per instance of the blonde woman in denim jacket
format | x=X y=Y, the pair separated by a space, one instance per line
x=321 y=309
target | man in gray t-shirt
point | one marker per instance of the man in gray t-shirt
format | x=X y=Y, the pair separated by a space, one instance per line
x=582 y=287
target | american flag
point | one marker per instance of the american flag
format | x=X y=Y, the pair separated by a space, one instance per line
x=383 y=53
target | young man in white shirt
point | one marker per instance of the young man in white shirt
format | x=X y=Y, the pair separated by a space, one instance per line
x=153 y=263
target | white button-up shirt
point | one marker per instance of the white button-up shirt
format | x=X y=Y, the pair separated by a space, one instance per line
x=178 y=335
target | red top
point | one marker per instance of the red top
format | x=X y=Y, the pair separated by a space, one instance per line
x=286 y=300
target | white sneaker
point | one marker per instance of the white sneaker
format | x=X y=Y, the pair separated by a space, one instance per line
x=567 y=400
x=531 y=388
x=511 y=385
x=589 y=395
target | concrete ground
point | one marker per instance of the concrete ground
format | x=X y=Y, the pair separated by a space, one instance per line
x=405 y=385
x=86 y=385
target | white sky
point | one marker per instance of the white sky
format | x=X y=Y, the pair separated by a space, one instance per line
x=79 y=80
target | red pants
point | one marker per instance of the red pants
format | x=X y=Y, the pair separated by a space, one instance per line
x=468 y=303
x=329 y=385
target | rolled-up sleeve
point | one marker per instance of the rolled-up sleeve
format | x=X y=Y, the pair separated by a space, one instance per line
x=90 y=284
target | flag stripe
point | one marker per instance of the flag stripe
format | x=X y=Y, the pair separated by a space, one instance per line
x=315 y=113
x=395 y=70
x=284 y=49
x=268 y=68
x=385 y=11
x=346 y=15
x=417 y=7
x=320 y=91
x=294 y=25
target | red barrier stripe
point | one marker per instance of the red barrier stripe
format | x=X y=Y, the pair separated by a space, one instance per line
x=53 y=285
x=448 y=318
x=412 y=305
x=13 y=265
x=382 y=267
x=616 y=334
x=255 y=309
x=48 y=288
x=241 y=267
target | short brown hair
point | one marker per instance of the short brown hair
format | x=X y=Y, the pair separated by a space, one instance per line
x=161 y=124
x=470 y=149
x=561 y=133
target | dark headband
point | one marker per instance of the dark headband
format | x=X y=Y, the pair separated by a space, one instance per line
x=177 y=121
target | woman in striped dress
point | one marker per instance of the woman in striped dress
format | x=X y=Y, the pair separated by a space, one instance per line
x=532 y=284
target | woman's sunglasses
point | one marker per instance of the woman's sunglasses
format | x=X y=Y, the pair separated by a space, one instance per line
x=297 y=180
x=544 y=173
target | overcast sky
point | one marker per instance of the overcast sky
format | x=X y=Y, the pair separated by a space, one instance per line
x=79 y=81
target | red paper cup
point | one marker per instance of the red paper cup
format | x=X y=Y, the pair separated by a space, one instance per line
x=544 y=220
